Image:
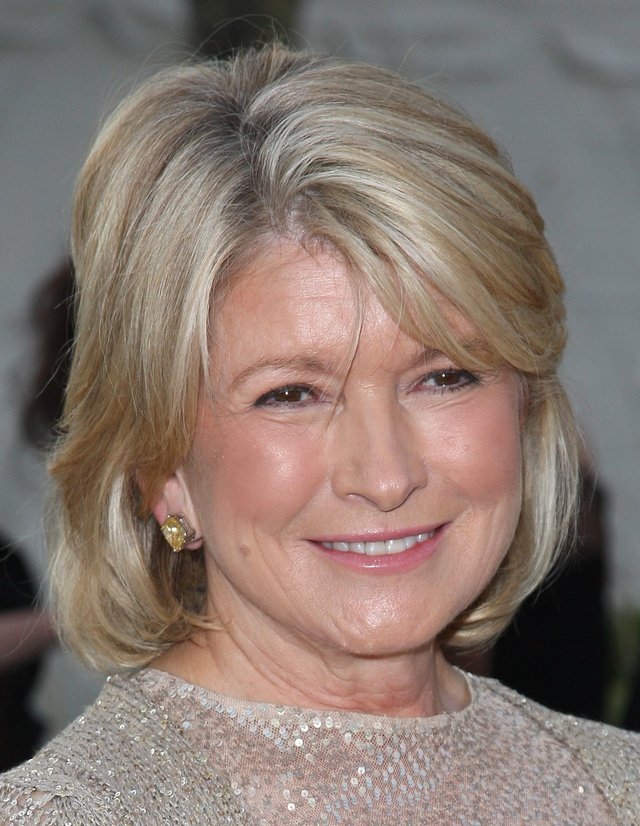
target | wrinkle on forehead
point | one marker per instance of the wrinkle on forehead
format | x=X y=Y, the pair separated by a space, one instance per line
x=319 y=287
x=322 y=281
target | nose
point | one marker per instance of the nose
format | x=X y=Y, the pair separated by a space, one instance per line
x=378 y=455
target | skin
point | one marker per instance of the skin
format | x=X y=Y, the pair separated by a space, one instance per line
x=395 y=441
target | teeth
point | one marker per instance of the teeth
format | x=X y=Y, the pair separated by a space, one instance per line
x=388 y=546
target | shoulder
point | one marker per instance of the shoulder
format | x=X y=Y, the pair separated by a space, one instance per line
x=610 y=756
x=122 y=761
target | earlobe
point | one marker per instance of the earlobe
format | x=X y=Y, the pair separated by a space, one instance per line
x=173 y=509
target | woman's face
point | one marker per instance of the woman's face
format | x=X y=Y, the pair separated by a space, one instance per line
x=355 y=504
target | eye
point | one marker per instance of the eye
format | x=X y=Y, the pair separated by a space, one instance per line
x=289 y=395
x=449 y=379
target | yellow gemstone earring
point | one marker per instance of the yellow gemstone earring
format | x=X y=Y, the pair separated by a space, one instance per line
x=177 y=532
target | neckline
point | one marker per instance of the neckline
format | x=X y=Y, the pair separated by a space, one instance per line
x=154 y=680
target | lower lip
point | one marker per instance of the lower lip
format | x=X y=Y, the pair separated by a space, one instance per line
x=386 y=563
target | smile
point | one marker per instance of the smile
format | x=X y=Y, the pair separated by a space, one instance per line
x=383 y=548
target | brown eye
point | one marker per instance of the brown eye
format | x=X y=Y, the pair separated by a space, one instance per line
x=449 y=379
x=295 y=394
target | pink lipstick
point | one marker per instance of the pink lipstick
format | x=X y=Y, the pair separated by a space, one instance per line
x=394 y=552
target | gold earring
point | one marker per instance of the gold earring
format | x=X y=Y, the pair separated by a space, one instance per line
x=177 y=531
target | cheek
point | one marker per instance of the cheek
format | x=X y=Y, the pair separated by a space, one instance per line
x=485 y=448
x=257 y=479
x=498 y=463
x=498 y=471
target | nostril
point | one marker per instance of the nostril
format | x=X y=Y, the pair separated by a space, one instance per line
x=385 y=486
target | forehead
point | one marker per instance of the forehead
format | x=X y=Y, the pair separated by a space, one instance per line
x=294 y=306
x=285 y=276
x=288 y=302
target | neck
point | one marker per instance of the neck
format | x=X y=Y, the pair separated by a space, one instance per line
x=417 y=683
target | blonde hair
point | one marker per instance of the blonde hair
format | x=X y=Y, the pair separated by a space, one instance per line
x=186 y=181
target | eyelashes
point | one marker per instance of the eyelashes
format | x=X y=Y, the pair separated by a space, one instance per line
x=440 y=382
x=288 y=395
x=449 y=380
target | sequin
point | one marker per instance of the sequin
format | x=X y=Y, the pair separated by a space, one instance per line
x=156 y=750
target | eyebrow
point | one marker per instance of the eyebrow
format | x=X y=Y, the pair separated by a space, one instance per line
x=310 y=364
x=422 y=356
x=290 y=364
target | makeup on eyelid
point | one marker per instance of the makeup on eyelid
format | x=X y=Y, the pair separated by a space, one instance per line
x=288 y=395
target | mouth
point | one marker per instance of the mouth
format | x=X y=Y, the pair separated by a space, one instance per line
x=384 y=547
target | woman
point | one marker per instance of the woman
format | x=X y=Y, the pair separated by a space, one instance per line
x=318 y=334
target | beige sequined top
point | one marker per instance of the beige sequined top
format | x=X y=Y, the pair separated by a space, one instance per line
x=154 y=750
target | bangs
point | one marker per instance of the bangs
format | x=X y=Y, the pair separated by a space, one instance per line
x=442 y=308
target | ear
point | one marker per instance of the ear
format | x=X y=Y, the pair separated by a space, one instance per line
x=174 y=498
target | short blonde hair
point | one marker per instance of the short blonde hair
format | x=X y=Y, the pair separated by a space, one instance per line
x=185 y=183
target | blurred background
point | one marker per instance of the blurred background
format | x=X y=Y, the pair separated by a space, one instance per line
x=557 y=84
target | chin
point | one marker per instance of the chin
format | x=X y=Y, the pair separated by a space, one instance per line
x=387 y=642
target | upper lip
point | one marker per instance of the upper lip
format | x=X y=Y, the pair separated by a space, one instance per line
x=378 y=536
